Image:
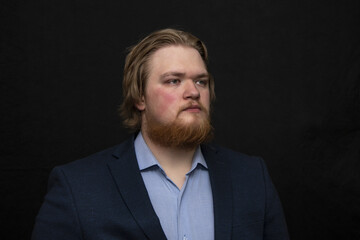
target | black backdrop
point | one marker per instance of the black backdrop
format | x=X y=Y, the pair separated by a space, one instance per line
x=287 y=84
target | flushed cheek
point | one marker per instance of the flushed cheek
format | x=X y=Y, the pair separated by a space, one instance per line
x=165 y=101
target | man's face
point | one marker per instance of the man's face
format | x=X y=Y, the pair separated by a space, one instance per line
x=177 y=89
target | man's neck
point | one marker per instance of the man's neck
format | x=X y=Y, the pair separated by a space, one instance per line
x=176 y=162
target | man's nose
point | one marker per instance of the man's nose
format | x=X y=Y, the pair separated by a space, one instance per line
x=191 y=90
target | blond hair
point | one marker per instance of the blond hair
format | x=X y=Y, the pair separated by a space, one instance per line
x=136 y=69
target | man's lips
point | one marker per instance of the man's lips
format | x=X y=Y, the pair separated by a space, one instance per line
x=193 y=108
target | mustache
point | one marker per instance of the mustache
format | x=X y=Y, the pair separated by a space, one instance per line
x=192 y=105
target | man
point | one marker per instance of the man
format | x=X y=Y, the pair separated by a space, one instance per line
x=165 y=182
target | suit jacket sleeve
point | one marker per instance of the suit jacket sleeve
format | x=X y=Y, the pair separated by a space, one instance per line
x=274 y=224
x=57 y=218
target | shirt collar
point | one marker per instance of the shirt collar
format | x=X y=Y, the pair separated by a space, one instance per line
x=146 y=158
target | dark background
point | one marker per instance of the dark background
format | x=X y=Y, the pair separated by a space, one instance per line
x=287 y=84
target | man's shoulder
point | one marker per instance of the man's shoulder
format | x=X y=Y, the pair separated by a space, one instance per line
x=227 y=151
x=99 y=160
x=231 y=157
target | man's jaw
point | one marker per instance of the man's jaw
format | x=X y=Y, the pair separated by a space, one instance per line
x=185 y=132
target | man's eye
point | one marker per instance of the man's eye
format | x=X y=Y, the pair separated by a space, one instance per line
x=173 y=81
x=202 y=82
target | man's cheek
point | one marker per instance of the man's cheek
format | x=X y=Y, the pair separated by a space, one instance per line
x=166 y=100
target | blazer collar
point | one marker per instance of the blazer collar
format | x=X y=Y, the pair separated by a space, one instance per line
x=222 y=192
x=126 y=174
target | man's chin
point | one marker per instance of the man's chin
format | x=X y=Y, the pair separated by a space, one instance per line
x=182 y=133
x=191 y=119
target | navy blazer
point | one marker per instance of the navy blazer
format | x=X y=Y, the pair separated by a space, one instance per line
x=104 y=197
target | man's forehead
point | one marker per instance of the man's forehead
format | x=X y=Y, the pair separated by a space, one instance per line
x=177 y=60
x=168 y=51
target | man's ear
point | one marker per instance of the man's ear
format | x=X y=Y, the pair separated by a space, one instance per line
x=141 y=104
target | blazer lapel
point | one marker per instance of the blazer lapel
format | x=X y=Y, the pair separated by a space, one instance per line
x=127 y=177
x=222 y=193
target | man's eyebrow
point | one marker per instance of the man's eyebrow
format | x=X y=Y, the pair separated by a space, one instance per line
x=176 y=74
x=181 y=74
x=202 y=75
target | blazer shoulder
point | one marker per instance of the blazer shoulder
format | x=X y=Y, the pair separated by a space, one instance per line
x=230 y=156
x=99 y=160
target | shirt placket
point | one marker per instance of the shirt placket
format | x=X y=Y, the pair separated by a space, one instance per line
x=182 y=234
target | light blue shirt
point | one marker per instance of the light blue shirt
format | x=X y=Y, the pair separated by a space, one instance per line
x=186 y=213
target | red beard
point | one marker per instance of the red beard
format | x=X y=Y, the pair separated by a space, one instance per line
x=179 y=134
